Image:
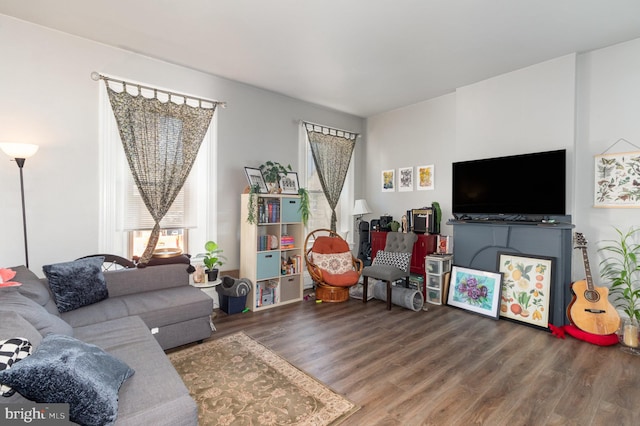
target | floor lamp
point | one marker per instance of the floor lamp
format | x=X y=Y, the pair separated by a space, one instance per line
x=20 y=152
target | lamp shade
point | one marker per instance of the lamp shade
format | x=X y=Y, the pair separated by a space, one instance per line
x=361 y=208
x=19 y=150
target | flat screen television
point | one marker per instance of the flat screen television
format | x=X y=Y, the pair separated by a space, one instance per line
x=526 y=185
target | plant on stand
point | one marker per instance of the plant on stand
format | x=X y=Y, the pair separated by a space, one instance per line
x=271 y=171
x=621 y=267
x=212 y=259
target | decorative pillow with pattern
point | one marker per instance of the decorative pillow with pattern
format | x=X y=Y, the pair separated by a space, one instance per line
x=334 y=263
x=389 y=258
x=12 y=351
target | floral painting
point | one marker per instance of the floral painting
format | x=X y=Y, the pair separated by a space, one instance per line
x=425 y=177
x=526 y=288
x=475 y=290
x=388 y=180
x=405 y=179
x=617 y=180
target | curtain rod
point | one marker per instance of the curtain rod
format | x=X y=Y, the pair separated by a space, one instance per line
x=97 y=76
x=322 y=126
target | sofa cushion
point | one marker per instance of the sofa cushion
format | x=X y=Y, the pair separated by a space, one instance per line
x=67 y=370
x=12 y=301
x=157 y=308
x=77 y=283
x=32 y=286
x=131 y=281
x=13 y=324
x=155 y=395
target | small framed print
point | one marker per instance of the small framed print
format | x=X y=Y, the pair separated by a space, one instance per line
x=289 y=183
x=388 y=180
x=405 y=179
x=526 y=288
x=254 y=177
x=424 y=175
x=475 y=290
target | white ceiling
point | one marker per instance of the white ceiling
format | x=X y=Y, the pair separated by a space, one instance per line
x=358 y=56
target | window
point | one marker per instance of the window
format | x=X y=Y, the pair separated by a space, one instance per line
x=320 y=216
x=125 y=223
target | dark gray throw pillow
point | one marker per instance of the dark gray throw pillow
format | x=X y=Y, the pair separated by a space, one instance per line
x=66 y=370
x=78 y=283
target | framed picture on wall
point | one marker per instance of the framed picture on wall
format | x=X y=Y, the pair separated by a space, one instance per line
x=526 y=288
x=388 y=180
x=424 y=176
x=405 y=179
x=617 y=180
x=475 y=290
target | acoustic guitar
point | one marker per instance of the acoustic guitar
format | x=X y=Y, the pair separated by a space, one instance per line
x=590 y=309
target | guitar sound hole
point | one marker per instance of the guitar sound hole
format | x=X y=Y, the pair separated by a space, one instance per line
x=592 y=296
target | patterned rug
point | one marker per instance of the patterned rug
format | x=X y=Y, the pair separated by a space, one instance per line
x=237 y=381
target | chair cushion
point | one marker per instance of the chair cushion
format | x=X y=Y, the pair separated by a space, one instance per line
x=327 y=245
x=346 y=279
x=400 y=242
x=399 y=260
x=334 y=263
x=384 y=272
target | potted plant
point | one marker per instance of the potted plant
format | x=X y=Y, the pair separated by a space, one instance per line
x=621 y=267
x=212 y=259
x=271 y=171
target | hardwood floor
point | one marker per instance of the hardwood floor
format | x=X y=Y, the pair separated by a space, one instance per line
x=445 y=366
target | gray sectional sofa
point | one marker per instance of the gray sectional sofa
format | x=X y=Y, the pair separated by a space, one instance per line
x=147 y=311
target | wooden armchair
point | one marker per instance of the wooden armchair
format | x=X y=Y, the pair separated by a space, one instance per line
x=331 y=265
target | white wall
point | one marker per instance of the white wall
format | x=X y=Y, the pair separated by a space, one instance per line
x=582 y=103
x=49 y=99
x=524 y=111
x=608 y=109
x=418 y=135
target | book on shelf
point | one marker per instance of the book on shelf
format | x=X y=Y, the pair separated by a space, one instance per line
x=287 y=242
x=268 y=211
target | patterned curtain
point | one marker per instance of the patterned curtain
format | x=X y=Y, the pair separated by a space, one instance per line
x=331 y=150
x=161 y=141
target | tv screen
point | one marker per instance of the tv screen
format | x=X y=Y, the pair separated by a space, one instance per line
x=528 y=184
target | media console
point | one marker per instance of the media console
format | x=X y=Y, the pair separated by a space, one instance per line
x=477 y=244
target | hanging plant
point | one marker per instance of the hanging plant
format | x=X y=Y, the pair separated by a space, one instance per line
x=251 y=216
x=304 y=205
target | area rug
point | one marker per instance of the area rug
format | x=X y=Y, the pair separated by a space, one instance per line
x=237 y=381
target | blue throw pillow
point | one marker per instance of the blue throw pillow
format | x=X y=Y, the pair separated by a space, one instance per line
x=78 y=283
x=66 y=370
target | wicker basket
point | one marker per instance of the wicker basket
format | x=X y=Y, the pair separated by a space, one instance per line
x=328 y=293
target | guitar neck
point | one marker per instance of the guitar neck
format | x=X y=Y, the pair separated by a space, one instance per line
x=587 y=269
